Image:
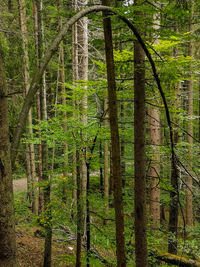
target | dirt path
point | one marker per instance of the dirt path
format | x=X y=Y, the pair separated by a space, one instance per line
x=20 y=185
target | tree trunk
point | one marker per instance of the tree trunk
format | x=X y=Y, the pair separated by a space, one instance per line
x=7 y=220
x=112 y=104
x=82 y=42
x=106 y=158
x=154 y=172
x=45 y=167
x=173 y=210
x=139 y=156
x=189 y=207
x=74 y=79
x=79 y=214
x=123 y=164
x=39 y=167
x=155 y=141
x=101 y=169
x=22 y=8
x=64 y=113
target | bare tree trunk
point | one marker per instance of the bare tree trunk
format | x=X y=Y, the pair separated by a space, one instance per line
x=123 y=164
x=154 y=172
x=64 y=115
x=45 y=167
x=47 y=187
x=173 y=210
x=155 y=141
x=74 y=79
x=112 y=102
x=39 y=167
x=106 y=160
x=79 y=214
x=26 y=80
x=82 y=41
x=101 y=169
x=189 y=208
x=28 y=171
x=139 y=156
x=7 y=220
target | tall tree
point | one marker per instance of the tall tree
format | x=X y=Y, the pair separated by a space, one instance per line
x=155 y=141
x=139 y=155
x=26 y=83
x=7 y=220
x=74 y=79
x=154 y=171
x=64 y=115
x=39 y=150
x=82 y=43
x=189 y=208
x=113 y=114
x=44 y=145
x=173 y=211
x=79 y=214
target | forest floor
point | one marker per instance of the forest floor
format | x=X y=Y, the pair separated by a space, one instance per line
x=30 y=250
x=30 y=246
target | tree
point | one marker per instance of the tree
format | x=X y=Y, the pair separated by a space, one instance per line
x=113 y=115
x=189 y=208
x=7 y=220
x=155 y=141
x=139 y=156
x=26 y=81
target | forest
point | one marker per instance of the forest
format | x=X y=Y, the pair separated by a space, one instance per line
x=99 y=133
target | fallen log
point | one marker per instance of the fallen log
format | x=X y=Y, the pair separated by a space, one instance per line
x=176 y=260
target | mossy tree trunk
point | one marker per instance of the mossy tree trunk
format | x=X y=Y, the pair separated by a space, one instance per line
x=7 y=220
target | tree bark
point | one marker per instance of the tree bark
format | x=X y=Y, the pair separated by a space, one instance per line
x=112 y=104
x=79 y=214
x=26 y=81
x=64 y=113
x=173 y=210
x=139 y=156
x=39 y=167
x=155 y=141
x=74 y=79
x=106 y=160
x=7 y=220
x=154 y=171
x=82 y=43
x=189 y=207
